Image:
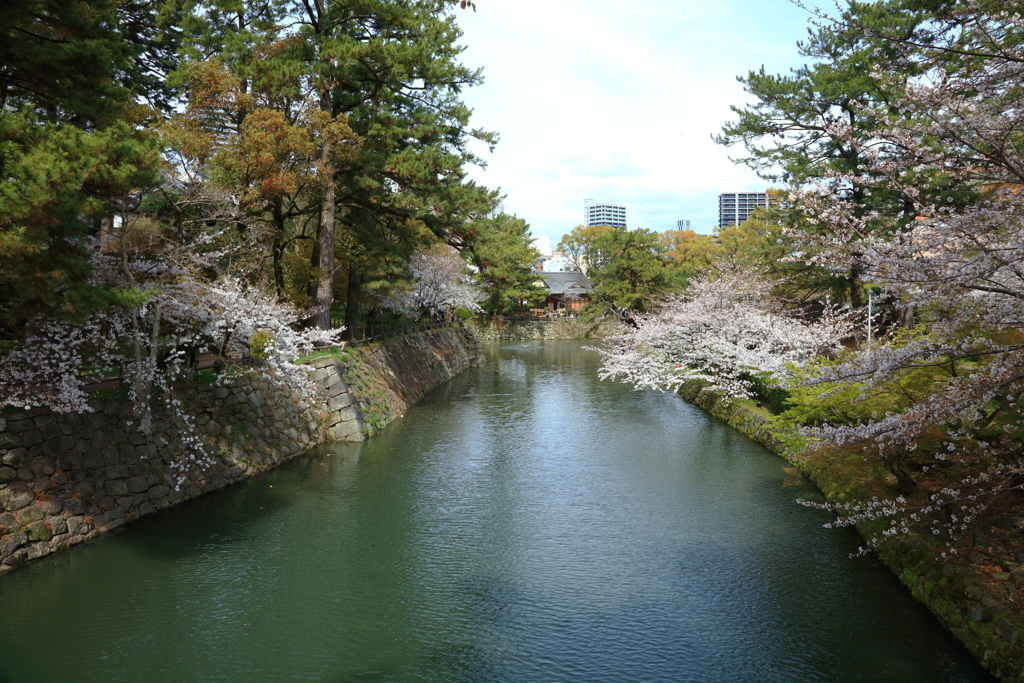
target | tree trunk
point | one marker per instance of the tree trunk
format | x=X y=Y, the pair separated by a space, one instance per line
x=321 y=289
x=355 y=282
x=906 y=315
x=856 y=288
x=278 y=251
x=905 y=484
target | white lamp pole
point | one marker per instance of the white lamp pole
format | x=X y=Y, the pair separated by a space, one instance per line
x=870 y=293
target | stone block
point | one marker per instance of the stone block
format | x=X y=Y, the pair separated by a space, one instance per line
x=83 y=432
x=146 y=509
x=57 y=524
x=111 y=456
x=115 y=472
x=111 y=525
x=64 y=491
x=51 y=431
x=344 y=431
x=7 y=475
x=104 y=517
x=42 y=466
x=29 y=515
x=336 y=403
x=37 y=531
x=116 y=488
x=25 y=474
x=92 y=460
x=41 y=485
x=16 y=559
x=137 y=484
x=52 y=448
x=69 y=459
x=51 y=505
x=78 y=525
x=17 y=458
x=84 y=489
x=42 y=420
x=126 y=452
x=8 y=523
x=350 y=413
x=74 y=506
x=16 y=496
x=39 y=549
x=59 y=480
x=19 y=426
x=101 y=439
x=11 y=542
x=60 y=542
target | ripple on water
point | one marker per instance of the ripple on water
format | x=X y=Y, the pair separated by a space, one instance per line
x=524 y=523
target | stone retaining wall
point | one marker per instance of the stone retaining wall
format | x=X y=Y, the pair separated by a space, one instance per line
x=540 y=328
x=970 y=599
x=392 y=376
x=65 y=479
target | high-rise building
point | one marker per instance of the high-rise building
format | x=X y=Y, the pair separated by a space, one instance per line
x=736 y=207
x=595 y=213
x=683 y=224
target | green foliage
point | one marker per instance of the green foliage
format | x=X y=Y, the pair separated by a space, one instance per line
x=117 y=392
x=628 y=268
x=765 y=387
x=782 y=132
x=503 y=253
x=689 y=252
x=260 y=344
x=59 y=180
x=71 y=145
x=464 y=313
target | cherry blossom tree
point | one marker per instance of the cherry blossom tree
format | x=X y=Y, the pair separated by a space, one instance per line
x=722 y=332
x=440 y=282
x=958 y=260
x=169 y=310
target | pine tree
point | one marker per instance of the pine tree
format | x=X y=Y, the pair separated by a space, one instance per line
x=71 y=142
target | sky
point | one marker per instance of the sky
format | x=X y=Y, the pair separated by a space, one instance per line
x=616 y=101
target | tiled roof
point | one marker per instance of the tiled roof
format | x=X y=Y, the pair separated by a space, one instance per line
x=562 y=283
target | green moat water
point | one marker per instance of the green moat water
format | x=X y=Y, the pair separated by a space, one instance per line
x=524 y=523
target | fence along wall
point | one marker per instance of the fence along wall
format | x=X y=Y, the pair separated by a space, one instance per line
x=65 y=479
x=506 y=329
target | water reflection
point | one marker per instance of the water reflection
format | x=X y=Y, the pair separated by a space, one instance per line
x=524 y=523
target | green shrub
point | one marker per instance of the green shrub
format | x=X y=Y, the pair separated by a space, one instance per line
x=260 y=344
x=464 y=313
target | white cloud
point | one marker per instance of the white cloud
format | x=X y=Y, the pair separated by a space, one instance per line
x=618 y=101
